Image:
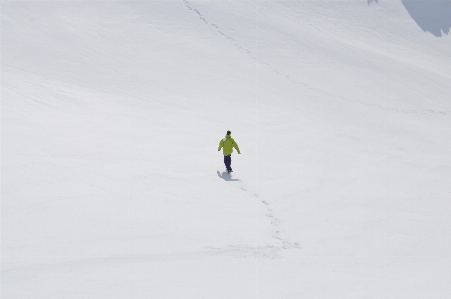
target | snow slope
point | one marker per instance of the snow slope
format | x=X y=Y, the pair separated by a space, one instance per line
x=112 y=186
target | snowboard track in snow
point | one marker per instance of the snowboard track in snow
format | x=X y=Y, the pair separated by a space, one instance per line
x=297 y=82
x=268 y=251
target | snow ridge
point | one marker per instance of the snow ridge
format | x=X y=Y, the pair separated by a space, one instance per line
x=300 y=83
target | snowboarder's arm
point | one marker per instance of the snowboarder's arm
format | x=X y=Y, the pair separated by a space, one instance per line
x=221 y=143
x=235 y=145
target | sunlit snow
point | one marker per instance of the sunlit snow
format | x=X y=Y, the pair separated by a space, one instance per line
x=112 y=185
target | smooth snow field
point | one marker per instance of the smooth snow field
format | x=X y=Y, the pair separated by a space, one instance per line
x=112 y=185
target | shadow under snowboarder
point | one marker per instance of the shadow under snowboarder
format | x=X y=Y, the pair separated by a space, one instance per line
x=226 y=176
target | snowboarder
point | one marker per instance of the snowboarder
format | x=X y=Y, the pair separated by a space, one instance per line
x=227 y=144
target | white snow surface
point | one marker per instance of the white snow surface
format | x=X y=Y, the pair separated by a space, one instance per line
x=112 y=185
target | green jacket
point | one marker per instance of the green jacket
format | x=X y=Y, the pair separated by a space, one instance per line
x=227 y=144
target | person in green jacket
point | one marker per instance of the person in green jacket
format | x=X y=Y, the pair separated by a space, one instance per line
x=227 y=144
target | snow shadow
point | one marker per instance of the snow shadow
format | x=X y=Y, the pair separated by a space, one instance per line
x=433 y=16
x=226 y=177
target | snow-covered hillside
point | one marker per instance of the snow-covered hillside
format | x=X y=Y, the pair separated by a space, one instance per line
x=112 y=185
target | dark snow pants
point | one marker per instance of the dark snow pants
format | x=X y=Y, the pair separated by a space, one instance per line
x=228 y=162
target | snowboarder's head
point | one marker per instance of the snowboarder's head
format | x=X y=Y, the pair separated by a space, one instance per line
x=228 y=132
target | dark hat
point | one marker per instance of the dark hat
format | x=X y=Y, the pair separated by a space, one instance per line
x=228 y=132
